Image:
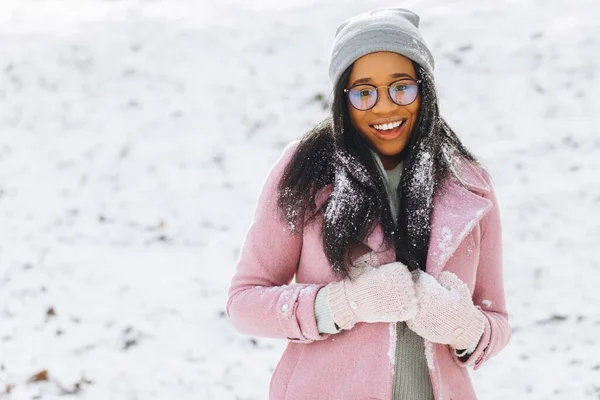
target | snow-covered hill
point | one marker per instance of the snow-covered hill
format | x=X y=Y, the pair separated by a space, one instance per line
x=135 y=136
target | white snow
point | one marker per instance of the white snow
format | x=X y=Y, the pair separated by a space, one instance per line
x=393 y=328
x=135 y=135
x=444 y=244
x=429 y=354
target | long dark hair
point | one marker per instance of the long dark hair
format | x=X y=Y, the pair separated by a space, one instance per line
x=334 y=152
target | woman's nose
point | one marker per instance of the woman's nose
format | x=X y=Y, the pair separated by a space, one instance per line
x=384 y=104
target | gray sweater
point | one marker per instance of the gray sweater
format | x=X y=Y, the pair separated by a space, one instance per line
x=411 y=375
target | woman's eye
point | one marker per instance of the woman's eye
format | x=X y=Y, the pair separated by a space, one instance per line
x=364 y=93
x=400 y=87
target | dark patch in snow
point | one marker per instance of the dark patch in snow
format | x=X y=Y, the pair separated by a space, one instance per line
x=555 y=318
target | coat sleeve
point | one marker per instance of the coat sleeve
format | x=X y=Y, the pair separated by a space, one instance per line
x=488 y=293
x=261 y=301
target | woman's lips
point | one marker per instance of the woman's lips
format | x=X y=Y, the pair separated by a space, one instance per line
x=389 y=134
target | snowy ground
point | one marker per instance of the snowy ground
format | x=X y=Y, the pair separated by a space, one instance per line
x=135 y=135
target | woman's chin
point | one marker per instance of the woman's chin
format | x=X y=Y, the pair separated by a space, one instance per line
x=391 y=149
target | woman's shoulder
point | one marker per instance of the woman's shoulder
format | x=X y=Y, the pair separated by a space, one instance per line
x=473 y=175
x=291 y=147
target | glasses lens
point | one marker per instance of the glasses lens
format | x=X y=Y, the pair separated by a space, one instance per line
x=362 y=97
x=404 y=92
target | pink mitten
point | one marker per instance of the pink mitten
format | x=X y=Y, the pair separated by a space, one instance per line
x=446 y=313
x=382 y=294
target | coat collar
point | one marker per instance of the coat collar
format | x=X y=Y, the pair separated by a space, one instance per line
x=457 y=209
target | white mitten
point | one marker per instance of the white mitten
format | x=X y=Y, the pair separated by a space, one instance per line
x=446 y=313
x=375 y=294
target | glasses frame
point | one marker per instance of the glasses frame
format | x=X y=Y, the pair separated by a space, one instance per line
x=417 y=81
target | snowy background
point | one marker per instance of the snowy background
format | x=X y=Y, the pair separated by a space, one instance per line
x=135 y=136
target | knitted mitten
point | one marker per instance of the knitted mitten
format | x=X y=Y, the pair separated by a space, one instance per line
x=446 y=313
x=382 y=294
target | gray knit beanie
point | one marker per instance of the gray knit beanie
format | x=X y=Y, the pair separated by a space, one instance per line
x=385 y=29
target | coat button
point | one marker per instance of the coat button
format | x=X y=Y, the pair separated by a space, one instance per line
x=353 y=305
x=284 y=308
x=458 y=331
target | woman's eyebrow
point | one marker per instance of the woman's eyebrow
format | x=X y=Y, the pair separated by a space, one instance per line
x=394 y=75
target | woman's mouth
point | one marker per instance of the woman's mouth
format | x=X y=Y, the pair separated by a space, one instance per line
x=389 y=131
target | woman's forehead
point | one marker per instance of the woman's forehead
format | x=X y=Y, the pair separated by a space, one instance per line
x=380 y=66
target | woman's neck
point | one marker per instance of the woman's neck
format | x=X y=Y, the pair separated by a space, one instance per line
x=390 y=162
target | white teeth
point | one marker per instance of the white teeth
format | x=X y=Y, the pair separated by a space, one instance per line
x=386 y=127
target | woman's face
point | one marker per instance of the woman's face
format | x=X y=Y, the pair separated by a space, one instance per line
x=381 y=69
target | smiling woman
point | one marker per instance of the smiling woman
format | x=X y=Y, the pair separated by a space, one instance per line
x=386 y=120
x=391 y=230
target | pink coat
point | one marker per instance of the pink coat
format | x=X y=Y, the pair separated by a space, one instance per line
x=358 y=364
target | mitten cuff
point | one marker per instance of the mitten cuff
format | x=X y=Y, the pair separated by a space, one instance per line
x=338 y=304
x=325 y=322
x=472 y=333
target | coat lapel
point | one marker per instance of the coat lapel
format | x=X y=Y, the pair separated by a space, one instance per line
x=457 y=210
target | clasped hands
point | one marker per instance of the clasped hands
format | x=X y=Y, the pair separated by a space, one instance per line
x=441 y=311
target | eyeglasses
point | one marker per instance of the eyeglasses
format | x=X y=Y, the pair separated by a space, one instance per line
x=402 y=92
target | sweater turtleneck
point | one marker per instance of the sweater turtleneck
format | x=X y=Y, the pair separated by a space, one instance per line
x=392 y=178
